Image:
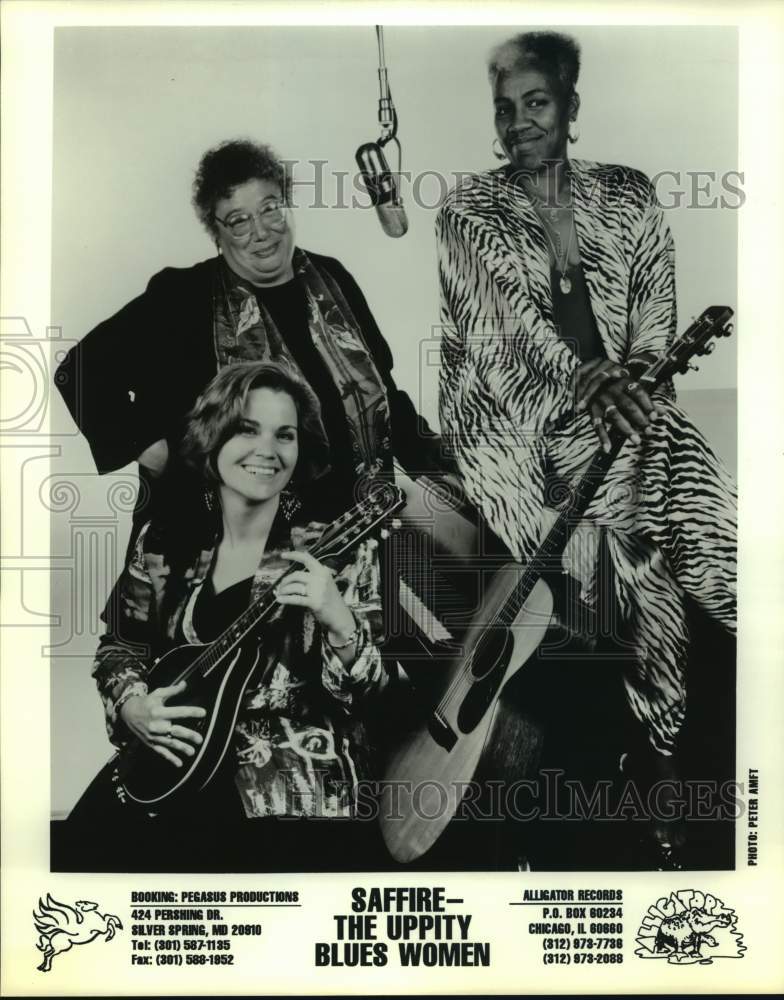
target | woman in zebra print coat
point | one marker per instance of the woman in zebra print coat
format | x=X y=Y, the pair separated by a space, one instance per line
x=557 y=282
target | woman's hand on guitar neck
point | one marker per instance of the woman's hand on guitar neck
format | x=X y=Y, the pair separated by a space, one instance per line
x=152 y=720
x=314 y=587
x=614 y=399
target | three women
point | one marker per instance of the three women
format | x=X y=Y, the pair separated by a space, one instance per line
x=576 y=254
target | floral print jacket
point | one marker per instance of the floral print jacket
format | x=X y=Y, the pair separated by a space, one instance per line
x=301 y=745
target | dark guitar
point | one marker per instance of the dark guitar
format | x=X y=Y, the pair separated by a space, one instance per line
x=218 y=673
x=428 y=774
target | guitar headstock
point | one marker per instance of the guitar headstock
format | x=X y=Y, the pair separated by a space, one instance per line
x=699 y=338
x=380 y=500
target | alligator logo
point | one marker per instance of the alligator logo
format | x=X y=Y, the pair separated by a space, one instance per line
x=689 y=927
x=61 y=926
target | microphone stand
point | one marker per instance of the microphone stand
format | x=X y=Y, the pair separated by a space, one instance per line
x=387 y=115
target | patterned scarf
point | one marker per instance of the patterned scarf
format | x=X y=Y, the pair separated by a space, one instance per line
x=245 y=331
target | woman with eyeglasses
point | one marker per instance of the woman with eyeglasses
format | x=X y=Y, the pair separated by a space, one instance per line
x=129 y=382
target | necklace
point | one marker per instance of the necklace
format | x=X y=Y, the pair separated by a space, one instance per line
x=564 y=282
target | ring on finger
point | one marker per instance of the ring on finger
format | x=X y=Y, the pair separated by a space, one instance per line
x=633 y=387
x=610 y=410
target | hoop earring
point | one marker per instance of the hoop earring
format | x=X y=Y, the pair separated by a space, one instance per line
x=574 y=132
x=498 y=150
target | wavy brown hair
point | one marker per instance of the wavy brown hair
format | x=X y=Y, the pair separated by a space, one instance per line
x=219 y=411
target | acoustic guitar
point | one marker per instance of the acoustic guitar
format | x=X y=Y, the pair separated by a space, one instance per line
x=428 y=774
x=218 y=673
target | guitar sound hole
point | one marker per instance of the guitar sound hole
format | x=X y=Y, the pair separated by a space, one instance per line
x=489 y=651
x=491 y=657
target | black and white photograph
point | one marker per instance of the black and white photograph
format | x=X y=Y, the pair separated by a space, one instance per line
x=371 y=502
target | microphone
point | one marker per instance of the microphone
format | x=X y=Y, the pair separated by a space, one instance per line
x=381 y=186
x=378 y=178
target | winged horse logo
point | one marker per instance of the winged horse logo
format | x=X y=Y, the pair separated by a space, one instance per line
x=61 y=926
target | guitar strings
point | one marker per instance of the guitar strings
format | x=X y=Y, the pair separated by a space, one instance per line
x=694 y=337
x=339 y=533
x=599 y=463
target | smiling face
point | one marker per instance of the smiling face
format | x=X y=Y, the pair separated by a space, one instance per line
x=263 y=256
x=531 y=117
x=258 y=461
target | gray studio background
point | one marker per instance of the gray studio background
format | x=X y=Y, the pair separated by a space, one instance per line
x=135 y=108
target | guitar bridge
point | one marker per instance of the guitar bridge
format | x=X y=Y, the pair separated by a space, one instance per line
x=441 y=731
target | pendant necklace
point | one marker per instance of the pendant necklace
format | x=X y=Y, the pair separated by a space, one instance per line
x=564 y=282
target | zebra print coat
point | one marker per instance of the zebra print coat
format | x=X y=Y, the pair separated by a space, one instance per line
x=507 y=411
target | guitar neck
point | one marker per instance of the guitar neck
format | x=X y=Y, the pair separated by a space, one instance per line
x=244 y=626
x=548 y=555
x=346 y=531
x=241 y=628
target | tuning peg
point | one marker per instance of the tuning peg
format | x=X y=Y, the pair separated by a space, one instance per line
x=710 y=347
x=692 y=368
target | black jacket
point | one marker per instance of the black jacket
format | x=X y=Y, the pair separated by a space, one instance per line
x=130 y=381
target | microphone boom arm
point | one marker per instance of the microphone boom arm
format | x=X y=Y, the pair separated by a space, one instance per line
x=387 y=116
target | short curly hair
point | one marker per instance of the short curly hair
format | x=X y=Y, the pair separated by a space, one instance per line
x=218 y=413
x=225 y=167
x=555 y=54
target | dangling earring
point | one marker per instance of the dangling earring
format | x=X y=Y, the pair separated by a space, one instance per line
x=209 y=498
x=574 y=131
x=289 y=504
x=498 y=150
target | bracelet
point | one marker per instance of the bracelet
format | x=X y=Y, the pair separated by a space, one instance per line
x=637 y=366
x=352 y=640
x=132 y=691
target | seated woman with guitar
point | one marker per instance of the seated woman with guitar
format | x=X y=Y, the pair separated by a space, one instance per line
x=277 y=717
x=578 y=260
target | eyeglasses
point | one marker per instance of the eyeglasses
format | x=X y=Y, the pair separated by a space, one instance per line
x=241 y=224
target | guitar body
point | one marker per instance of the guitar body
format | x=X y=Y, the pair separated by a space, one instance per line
x=150 y=780
x=217 y=675
x=427 y=776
